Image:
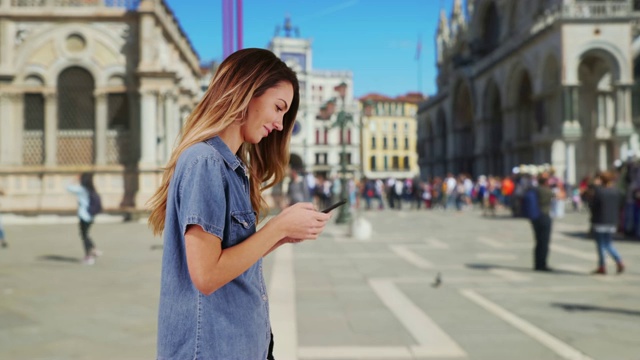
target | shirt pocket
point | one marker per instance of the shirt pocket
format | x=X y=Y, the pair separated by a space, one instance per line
x=243 y=225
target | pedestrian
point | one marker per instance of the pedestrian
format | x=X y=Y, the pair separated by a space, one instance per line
x=536 y=207
x=3 y=240
x=297 y=190
x=605 y=213
x=213 y=299
x=89 y=205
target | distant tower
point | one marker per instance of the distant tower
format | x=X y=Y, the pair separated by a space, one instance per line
x=287 y=27
x=227 y=27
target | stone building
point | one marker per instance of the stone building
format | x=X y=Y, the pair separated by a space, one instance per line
x=91 y=85
x=532 y=82
x=316 y=142
x=389 y=136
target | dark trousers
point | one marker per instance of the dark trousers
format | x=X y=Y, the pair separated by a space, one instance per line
x=84 y=234
x=542 y=232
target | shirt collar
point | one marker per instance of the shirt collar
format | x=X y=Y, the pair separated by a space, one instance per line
x=230 y=158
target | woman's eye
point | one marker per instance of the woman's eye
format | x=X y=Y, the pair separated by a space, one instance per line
x=278 y=108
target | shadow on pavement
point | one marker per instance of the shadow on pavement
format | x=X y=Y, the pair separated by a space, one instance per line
x=501 y=217
x=583 y=235
x=480 y=266
x=586 y=307
x=59 y=258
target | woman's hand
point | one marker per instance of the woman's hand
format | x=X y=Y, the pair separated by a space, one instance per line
x=300 y=222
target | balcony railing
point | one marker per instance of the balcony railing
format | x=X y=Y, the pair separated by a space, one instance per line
x=597 y=9
x=127 y=4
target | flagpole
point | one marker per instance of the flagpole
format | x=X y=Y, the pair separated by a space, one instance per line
x=418 y=59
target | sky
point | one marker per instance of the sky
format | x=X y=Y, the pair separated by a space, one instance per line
x=375 y=39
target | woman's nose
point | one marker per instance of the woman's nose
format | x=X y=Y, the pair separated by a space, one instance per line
x=277 y=125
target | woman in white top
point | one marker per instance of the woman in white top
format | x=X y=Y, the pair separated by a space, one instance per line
x=85 y=191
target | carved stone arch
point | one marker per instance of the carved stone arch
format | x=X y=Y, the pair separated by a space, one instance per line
x=511 y=87
x=115 y=76
x=63 y=63
x=599 y=71
x=611 y=54
x=33 y=76
x=58 y=35
x=601 y=62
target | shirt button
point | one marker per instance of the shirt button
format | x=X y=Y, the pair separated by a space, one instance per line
x=264 y=297
x=245 y=224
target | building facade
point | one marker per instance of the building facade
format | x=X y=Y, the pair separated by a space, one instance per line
x=94 y=85
x=316 y=144
x=389 y=136
x=533 y=82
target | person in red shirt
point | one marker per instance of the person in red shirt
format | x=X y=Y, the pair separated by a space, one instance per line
x=508 y=187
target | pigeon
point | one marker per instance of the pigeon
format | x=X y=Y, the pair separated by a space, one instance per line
x=437 y=281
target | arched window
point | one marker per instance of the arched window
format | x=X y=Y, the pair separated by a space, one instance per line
x=76 y=108
x=33 y=126
x=33 y=144
x=76 y=117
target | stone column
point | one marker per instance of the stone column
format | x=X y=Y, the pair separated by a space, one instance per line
x=6 y=124
x=602 y=156
x=161 y=128
x=148 y=132
x=623 y=110
x=50 y=128
x=559 y=157
x=18 y=130
x=7 y=42
x=171 y=123
x=570 y=177
x=571 y=130
x=100 y=134
x=602 y=110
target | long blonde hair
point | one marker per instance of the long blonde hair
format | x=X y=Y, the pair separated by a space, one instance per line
x=244 y=75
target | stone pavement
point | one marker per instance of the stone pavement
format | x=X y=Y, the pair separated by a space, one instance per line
x=336 y=297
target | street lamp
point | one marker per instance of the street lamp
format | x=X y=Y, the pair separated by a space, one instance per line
x=342 y=121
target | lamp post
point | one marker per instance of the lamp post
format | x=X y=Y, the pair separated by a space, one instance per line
x=342 y=120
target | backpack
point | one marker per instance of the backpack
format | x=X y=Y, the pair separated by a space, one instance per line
x=530 y=206
x=95 y=203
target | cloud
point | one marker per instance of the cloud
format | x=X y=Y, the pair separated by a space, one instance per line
x=334 y=9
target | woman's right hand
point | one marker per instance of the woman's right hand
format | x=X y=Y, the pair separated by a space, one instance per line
x=300 y=221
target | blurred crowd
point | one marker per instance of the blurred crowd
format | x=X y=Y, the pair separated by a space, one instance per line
x=461 y=192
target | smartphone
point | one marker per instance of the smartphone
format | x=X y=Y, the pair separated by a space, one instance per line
x=339 y=203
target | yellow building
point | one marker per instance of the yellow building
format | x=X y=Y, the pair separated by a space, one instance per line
x=389 y=136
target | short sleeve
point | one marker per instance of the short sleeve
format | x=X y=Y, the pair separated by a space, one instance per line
x=202 y=196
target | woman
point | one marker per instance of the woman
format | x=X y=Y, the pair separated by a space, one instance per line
x=605 y=208
x=84 y=192
x=213 y=299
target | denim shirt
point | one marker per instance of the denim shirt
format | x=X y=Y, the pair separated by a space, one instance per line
x=210 y=188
